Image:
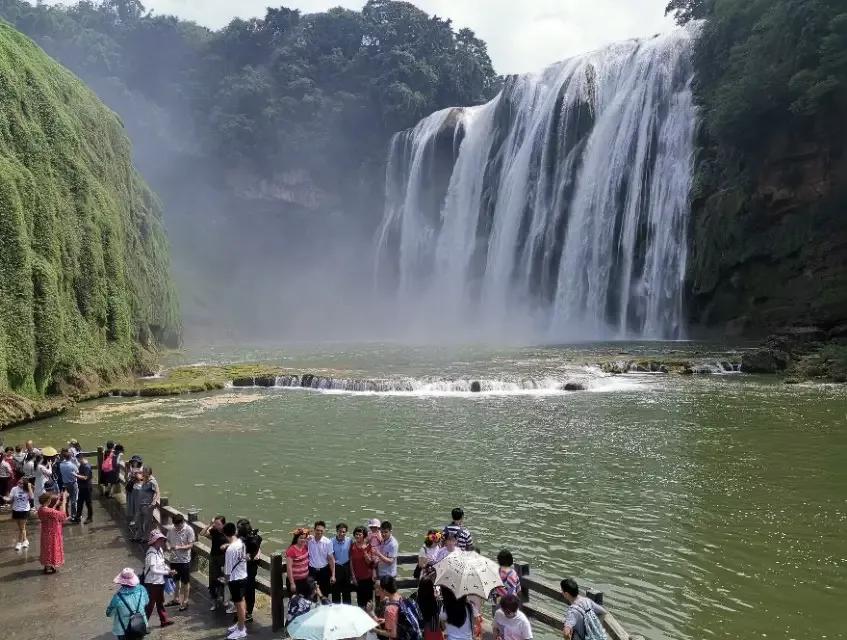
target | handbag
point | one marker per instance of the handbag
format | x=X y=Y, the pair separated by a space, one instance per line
x=136 y=627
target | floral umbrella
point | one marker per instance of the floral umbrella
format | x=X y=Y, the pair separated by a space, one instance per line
x=468 y=573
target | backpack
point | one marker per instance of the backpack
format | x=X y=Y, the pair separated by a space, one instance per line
x=136 y=627
x=108 y=464
x=591 y=625
x=408 y=620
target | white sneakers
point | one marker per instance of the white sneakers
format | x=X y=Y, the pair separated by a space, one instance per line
x=18 y=546
x=232 y=628
x=25 y=544
x=237 y=634
x=230 y=607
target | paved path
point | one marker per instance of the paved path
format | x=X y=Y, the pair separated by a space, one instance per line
x=71 y=604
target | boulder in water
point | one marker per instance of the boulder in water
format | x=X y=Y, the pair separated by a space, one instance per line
x=764 y=361
x=476 y=387
x=573 y=386
x=243 y=382
x=265 y=381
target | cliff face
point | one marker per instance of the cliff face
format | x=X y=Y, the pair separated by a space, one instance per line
x=769 y=243
x=85 y=286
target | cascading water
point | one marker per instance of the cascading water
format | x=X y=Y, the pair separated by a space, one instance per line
x=560 y=208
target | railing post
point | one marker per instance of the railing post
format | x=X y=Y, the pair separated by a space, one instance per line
x=277 y=593
x=193 y=515
x=100 y=469
x=164 y=516
x=523 y=570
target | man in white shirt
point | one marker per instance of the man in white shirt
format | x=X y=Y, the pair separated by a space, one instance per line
x=510 y=623
x=235 y=569
x=322 y=559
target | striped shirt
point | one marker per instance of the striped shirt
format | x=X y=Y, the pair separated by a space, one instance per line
x=299 y=562
x=464 y=539
x=511 y=582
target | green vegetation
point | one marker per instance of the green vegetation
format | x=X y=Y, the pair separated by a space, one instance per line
x=318 y=94
x=84 y=277
x=769 y=239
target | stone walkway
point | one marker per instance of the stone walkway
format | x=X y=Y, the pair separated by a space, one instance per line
x=71 y=604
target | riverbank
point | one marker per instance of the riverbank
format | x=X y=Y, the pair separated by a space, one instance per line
x=797 y=356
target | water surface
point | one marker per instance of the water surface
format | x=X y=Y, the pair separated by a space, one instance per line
x=707 y=507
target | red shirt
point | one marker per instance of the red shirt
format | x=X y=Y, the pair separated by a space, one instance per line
x=299 y=562
x=361 y=562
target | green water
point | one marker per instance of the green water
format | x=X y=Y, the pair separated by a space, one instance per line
x=706 y=507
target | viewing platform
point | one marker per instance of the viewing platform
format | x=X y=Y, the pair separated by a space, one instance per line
x=43 y=606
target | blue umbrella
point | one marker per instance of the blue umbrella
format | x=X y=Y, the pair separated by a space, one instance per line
x=331 y=622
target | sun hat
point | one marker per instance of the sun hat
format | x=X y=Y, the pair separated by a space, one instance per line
x=126 y=578
x=373 y=522
x=48 y=452
x=155 y=535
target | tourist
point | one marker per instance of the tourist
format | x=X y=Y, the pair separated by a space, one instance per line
x=430 y=609
x=29 y=467
x=132 y=487
x=115 y=475
x=386 y=553
x=510 y=623
x=21 y=499
x=252 y=545
x=146 y=502
x=235 y=570
x=52 y=515
x=508 y=576
x=131 y=598
x=303 y=600
x=457 y=615
x=215 y=532
x=362 y=568
x=582 y=619
x=68 y=473
x=31 y=449
x=6 y=474
x=430 y=552
x=107 y=468
x=74 y=448
x=181 y=542
x=84 y=477
x=463 y=536
x=374 y=536
x=297 y=559
x=18 y=458
x=386 y=591
x=155 y=572
x=321 y=560
x=341 y=590
x=43 y=475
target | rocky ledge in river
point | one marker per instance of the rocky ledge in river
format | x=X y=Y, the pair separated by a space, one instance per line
x=802 y=353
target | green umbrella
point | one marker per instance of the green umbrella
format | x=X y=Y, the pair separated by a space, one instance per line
x=331 y=622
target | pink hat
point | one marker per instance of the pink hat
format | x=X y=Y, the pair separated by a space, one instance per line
x=155 y=535
x=127 y=578
x=373 y=522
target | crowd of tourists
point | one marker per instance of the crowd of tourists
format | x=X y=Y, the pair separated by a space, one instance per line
x=320 y=569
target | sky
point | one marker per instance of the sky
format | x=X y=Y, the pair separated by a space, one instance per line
x=520 y=40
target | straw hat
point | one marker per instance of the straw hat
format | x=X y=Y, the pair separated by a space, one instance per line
x=155 y=536
x=49 y=452
x=126 y=578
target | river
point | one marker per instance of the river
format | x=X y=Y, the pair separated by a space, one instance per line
x=705 y=506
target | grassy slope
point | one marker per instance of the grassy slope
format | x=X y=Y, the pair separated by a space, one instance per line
x=85 y=289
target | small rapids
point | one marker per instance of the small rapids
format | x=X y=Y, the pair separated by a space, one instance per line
x=435 y=386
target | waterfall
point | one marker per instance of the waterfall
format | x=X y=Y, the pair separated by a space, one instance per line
x=558 y=210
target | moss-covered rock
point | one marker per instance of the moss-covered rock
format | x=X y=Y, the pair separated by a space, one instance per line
x=85 y=286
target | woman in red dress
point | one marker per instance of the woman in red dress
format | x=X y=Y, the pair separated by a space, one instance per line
x=52 y=516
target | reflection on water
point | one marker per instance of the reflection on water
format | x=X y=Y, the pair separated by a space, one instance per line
x=707 y=507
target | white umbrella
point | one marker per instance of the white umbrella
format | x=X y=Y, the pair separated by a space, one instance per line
x=331 y=622
x=467 y=573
